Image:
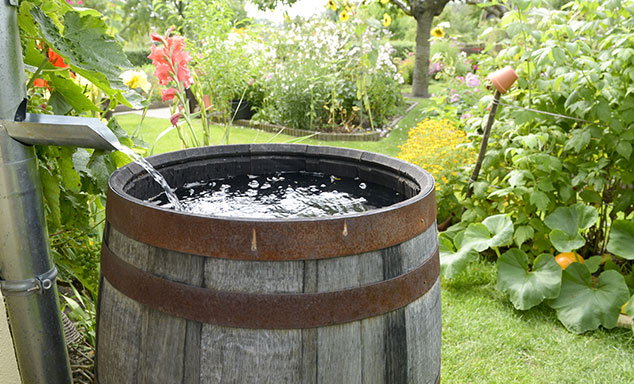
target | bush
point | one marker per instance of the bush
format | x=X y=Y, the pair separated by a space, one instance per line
x=406 y=68
x=344 y=77
x=138 y=57
x=444 y=151
x=403 y=48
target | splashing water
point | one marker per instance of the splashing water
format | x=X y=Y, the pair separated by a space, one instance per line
x=282 y=195
x=169 y=191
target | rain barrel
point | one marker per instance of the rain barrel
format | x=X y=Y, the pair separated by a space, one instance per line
x=186 y=298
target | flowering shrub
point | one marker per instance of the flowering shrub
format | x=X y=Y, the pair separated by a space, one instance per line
x=323 y=75
x=444 y=151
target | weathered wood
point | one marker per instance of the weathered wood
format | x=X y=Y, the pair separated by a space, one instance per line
x=147 y=346
x=309 y=335
x=231 y=355
x=423 y=321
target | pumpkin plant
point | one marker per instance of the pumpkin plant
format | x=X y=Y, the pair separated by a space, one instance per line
x=563 y=179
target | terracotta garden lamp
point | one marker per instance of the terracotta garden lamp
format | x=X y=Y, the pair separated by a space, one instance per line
x=502 y=79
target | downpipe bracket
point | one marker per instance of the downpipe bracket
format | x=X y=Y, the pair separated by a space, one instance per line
x=38 y=284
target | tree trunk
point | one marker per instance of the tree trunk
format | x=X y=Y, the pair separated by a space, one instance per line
x=420 y=82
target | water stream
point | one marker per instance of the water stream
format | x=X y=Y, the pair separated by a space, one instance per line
x=169 y=191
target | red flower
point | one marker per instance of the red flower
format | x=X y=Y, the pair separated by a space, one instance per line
x=168 y=94
x=56 y=59
x=170 y=60
x=40 y=83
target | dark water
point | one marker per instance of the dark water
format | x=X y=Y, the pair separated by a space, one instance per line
x=283 y=195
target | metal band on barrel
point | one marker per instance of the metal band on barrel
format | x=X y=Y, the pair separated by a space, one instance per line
x=268 y=311
x=273 y=239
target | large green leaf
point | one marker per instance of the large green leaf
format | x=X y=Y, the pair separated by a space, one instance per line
x=565 y=242
x=581 y=307
x=88 y=49
x=572 y=219
x=494 y=231
x=501 y=227
x=621 y=241
x=567 y=222
x=527 y=288
x=453 y=262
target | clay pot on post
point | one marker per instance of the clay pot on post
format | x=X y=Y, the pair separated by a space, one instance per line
x=503 y=79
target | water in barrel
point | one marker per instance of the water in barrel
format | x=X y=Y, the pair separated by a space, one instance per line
x=281 y=195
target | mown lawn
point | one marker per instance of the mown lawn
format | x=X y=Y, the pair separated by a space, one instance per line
x=485 y=340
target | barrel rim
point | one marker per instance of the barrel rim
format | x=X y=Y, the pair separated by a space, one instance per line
x=266 y=238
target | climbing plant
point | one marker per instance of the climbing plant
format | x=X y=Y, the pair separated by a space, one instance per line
x=73 y=67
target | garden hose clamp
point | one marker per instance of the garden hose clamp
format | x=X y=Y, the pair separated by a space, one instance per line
x=38 y=284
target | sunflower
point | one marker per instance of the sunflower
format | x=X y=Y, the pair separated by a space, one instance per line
x=332 y=5
x=438 y=33
x=343 y=16
x=387 y=20
x=385 y=1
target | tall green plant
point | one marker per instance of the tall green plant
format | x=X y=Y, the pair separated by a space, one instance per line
x=563 y=180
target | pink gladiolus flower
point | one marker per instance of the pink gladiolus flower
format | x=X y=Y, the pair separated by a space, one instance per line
x=170 y=60
x=175 y=117
x=168 y=94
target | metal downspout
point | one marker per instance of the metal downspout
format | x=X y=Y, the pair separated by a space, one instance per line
x=26 y=269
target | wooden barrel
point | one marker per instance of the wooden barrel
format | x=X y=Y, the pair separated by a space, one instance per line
x=341 y=299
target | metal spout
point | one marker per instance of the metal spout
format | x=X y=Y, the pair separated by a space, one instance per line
x=62 y=130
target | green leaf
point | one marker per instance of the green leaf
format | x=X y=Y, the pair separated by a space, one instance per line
x=453 y=262
x=578 y=141
x=477 y=237
x=73 y=93
x=540 y=200
x=621 y=241
x=624 y=149
x=572 y=219
x=564 y=242
x=501 y=227
x=593 y=263
x=523 y=233
x=582 y=307
x=527 y=288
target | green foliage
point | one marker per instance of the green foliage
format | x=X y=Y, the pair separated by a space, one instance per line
x=74 y=180
x=622 y=239
x=565 y=183
x=343 y=79
x=138 y=57
x=582 y=305
x=403 y=48
x=524 y=287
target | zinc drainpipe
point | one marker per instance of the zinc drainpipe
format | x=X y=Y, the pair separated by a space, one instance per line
x=26 y=269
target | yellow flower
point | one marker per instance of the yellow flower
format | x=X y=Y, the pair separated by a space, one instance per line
x=343 y=16
x=332 y=5
x=136 y=79
x=387 y=20
x=385 y=1
x=438 y=33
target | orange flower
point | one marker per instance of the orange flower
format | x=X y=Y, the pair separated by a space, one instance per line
x=56 y=59
x=40 y=83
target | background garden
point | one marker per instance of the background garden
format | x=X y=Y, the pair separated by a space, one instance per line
x=536 y=258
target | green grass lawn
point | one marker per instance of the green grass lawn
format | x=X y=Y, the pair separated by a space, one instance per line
x=153 y=127
x=485 y=340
